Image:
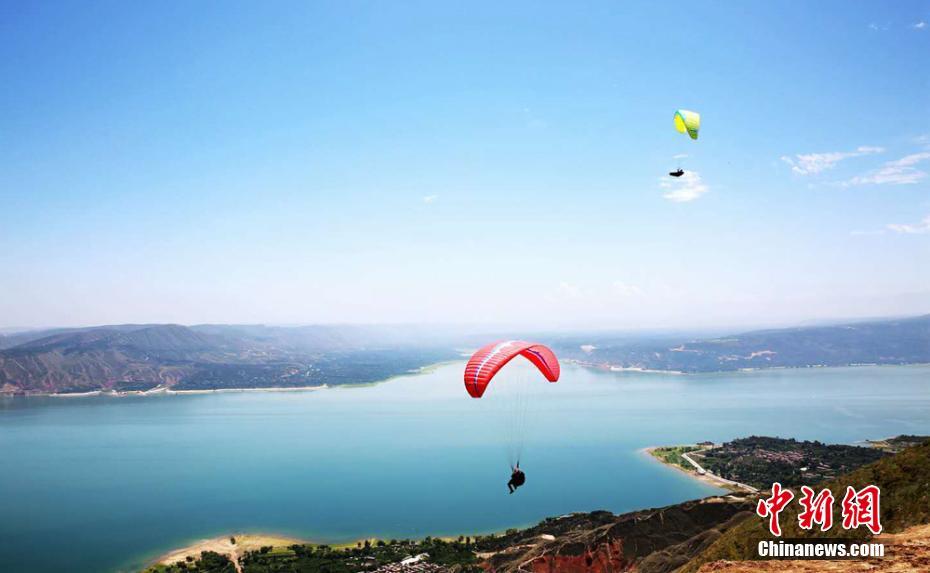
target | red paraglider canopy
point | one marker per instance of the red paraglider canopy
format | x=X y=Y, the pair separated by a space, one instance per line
x=488 y=360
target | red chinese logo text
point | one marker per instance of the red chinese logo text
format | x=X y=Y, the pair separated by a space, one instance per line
x=861 y=508
x=858 y=508
x=773 y=506
x=817 y=510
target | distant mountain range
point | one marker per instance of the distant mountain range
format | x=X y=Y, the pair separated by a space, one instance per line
x=898 y=341
x=146 y=357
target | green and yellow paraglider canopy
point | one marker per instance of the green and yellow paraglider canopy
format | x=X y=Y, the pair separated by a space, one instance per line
x=688 y=121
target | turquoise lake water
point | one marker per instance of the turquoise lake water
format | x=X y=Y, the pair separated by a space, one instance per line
x=105 y=484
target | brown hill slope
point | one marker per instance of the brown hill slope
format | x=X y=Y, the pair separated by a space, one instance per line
x=652 y=541
x=906 y=552
x=108 y=358
x=904 y=480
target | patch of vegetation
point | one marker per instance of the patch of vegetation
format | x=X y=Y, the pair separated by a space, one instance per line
x=672 y=455
x=209 y=562
x=761 y=461
x=351 y=367
x=365 y=556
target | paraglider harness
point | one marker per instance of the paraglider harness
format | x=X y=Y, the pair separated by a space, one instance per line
x=517 y=478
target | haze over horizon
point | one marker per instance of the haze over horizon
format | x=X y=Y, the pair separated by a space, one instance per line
x=504 y=329
x=366 y=164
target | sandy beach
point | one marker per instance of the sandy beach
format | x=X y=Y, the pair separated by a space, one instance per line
x=225 y=546
x=707 y=478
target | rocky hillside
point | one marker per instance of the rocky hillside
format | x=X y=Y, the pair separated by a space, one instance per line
x=650 y=541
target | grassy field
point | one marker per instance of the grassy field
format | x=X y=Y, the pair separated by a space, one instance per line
x=672 y=455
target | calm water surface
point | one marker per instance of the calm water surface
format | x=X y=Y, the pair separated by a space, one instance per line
x=104 y=484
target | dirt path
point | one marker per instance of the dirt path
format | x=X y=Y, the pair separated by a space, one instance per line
x=704 y=472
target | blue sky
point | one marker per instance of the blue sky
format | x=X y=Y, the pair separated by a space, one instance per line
x=474 y=162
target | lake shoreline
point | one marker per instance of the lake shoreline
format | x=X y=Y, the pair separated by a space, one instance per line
x=706 y=478
x=161 y=390
x=245 y=542
x=224 y=545
x=165 y=391
x=606 y=366
x=253 y=541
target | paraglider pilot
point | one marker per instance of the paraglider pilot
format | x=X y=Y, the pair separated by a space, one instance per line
x=517 y=478
x=489 y=359
x=678 y=173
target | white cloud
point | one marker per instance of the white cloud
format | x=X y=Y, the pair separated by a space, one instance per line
x=680 y=156
x=686 y=188
x=624 y=289
x=919 y=25
x=898 y=172
x=921 y=228
x=810 y=163
x=430 y=199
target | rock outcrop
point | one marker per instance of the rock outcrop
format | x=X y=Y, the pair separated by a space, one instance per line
x=652 y=541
